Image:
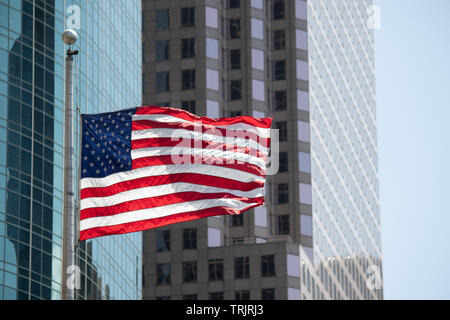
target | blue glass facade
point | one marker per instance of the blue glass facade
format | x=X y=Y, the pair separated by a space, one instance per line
x=108 y=77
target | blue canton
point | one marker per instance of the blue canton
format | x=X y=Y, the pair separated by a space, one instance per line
x=106 y=143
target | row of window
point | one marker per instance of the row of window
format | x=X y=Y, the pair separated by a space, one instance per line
x=266 y=294
x=215 y=269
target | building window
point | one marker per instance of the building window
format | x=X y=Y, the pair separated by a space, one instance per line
x=237 y=220
x=189 y=106
x=237 y=241
x=279 y=100
x=282 y=127
x=279 y=70
x=190 y=296
x=268 y=294
x=163 y=298
x=162 y=19
x=216 y=296
x=163 y=273
x=188 y=79
x=279 y=40
x=215 y=269
x=278 y=10
x=235 y=59
x=187 y=48
x=235 y=90
x=189 y=271
x=242 y=295
x=162 y=50
x=283 y=162
x=232 y=4
x=188 y=17
x=234 y=28
x=235 y=114
x=282 y=193
x=190 y=238
x=162 y=81
x=241 y=268
x=163 y=240
x=283 y=224
x=268 y=266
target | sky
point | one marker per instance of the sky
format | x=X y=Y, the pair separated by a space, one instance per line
x=412 y=62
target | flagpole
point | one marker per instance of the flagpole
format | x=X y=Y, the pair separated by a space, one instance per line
x=68 y=262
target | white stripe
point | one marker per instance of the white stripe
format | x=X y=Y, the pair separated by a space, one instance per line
x=211 y=170
x=261 y=132
x=162 y=190
x=158 y=212
x=176 y=134
x=180 y=154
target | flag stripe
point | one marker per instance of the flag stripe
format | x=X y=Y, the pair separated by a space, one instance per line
x=159 y=201
x=158 y=222
x=162 y=211
x=160 y=190
x=181 y=114
x=197 y=179
x=210 y=170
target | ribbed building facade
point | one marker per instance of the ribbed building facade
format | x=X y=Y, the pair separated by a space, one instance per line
x=309 y=65
x=107 y=77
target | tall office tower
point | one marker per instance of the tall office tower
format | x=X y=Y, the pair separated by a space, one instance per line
x=108 y=76
x=309 y=64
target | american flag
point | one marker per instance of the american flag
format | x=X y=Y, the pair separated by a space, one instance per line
x=147 y=167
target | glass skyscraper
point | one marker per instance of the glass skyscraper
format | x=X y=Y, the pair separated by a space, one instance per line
x=107 y=77
x=309 y=65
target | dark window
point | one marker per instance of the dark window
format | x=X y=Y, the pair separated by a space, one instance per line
x=235 y=113
x=282 y=193
x=279 y=100
x=268 y=266
x=162 y=81
x=162 y=50
x=190 y=238
x=188 y=105
x=278 y=9
x=162 y=19
x=241 y=267
x=234 y=28
x=283 y=162
x=188 y=79
x=242 y=295
x=215 y=269
x=163 y=240
x=163 y=298
x=187 y=48
x=163 y=273
x=235 y=59
x=235 y=90
x=216 y=296
x=234 y=4
x=282 y=127
x=188 y=17
x=279 y=70
x=237 y=220
x=283 y=224
x=279 y=40
x=190 y=296
x=237 y=241
x=189 y=271
x=268 y=294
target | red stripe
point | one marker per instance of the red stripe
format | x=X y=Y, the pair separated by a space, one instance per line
x=220 y=132
x=194 y=178
x=182 y=114
x=200 y=160
x=159 y=201
x=158 y=222
x=193 y=143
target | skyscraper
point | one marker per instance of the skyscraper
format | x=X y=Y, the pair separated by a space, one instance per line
x=310 y=65
x=107 y=77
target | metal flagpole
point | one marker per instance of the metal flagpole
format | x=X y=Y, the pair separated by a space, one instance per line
x=68 y=264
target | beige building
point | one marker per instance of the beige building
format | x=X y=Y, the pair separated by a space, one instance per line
x=310 y=66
